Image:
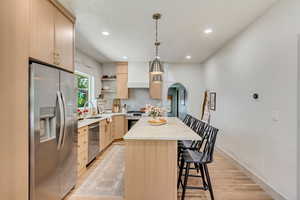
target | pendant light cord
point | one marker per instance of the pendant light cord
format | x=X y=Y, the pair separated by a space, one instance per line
x=156 y=36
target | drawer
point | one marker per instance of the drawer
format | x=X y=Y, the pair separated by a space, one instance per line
x=82 y=137
x=83 y=130
x=82 y=158
x=81 y=142
x=82 y=147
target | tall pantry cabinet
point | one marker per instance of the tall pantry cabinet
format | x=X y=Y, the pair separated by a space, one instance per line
x=29 y=29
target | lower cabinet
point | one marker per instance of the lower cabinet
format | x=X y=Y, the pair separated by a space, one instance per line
x=126 y=125
x=109 y=131
x=82 y=150
x=118 y=126
x=105 y=134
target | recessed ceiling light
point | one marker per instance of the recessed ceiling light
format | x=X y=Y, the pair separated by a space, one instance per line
x=208 y=31
x=125 y=57
x=188 y=57
x=105 y=33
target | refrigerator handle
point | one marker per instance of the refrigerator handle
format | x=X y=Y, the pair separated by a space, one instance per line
x=65 y=127
x=62 y=119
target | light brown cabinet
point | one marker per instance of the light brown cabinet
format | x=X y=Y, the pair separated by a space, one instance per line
x=42 y=30
x=155 y=89
x=122 y=68
x=64 y=42
x=82 y=150
x=122 y=81
x=122 y=87
x=126 y=125
x=118 y=126
x=106 y=137
x=51 y=34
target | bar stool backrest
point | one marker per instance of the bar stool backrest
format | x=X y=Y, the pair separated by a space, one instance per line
x=208 y=144
x=199 y=127
x=190 y=121
x=187 y=118
x=194 y=123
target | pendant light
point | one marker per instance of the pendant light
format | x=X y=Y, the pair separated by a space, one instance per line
x=156 y=66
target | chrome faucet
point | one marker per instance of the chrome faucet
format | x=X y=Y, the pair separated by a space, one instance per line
x=86 y=103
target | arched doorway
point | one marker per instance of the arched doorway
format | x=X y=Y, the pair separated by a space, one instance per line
x=177 y=100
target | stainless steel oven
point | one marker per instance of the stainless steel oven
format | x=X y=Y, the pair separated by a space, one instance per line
x=131 y=122
x=133 y=117
x=93 y=144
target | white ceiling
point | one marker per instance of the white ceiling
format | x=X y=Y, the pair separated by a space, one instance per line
x=132 y=29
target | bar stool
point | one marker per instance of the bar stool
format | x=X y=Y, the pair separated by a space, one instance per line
x=200 y=157
x=198 y=127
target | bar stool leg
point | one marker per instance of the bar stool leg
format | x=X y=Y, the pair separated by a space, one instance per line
x=180 y=173
x=178 y=157
x=203 y=177
x=187 y=169
x=209 y=182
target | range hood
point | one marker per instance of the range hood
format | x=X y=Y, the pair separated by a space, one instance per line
x=138 y=75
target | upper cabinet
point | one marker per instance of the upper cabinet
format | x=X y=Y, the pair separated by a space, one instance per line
x=122 y=80
x=155 y=89
x=42 y=31
x=64 y=42
x=122 y=68
x=52 y=34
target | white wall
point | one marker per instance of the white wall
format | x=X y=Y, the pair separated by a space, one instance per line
x=109 y=69
x=88 y=65
x=263 y=59
x=190 y=76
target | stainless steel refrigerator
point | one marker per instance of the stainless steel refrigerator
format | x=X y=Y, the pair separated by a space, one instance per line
x=53 y=127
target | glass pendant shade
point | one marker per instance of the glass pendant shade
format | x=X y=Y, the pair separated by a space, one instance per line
x=156 y=67
x=157 y=78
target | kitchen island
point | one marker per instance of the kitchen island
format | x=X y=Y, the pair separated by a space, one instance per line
x=151 y=159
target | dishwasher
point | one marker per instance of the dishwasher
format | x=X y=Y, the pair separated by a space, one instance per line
x=94 y=139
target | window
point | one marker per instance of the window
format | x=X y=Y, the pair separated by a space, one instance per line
x=84 y=85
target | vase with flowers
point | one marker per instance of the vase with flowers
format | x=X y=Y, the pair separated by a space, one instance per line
x=156 y=113
x=81 y=113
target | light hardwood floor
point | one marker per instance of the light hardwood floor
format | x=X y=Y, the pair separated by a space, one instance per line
x=229 y=182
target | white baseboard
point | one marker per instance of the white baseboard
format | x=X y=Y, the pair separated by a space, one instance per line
x=267 y=188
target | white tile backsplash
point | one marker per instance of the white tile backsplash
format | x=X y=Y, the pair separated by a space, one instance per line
x=139 y=98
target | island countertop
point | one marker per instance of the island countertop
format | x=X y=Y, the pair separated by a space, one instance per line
x=86 y=122
x=175 y=129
